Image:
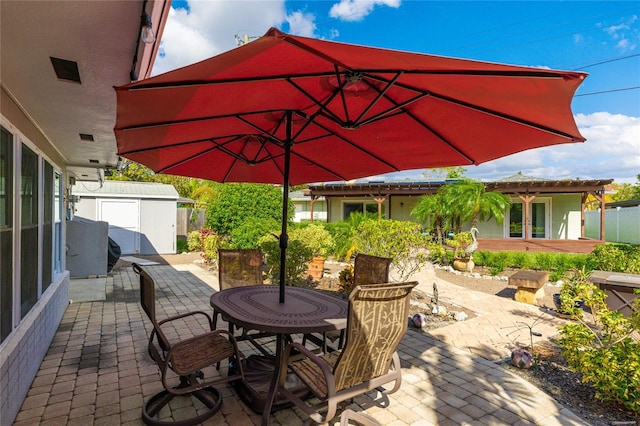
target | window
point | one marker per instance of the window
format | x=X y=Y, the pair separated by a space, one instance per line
x=28 y=231
x=58 y=206
x=47 y=224
x=363 y=207
x=6 y=233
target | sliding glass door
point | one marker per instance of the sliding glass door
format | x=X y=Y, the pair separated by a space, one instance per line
x=539 y=219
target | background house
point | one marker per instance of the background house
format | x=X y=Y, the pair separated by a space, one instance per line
x=540 y=209
x=141 y=215
x=308 y=209
x=59 y=63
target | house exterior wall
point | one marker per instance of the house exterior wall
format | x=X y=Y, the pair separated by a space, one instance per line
x=565 y=216
x=31 y=333
x=303 y=211
x=563 y=213
x=400 y=207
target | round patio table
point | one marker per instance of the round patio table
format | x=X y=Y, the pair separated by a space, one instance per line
x=258 y=308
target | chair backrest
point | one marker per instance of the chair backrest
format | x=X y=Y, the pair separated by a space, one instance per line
x=369 y=269
x=239 y=268
x=148 y=302
x=376 y=323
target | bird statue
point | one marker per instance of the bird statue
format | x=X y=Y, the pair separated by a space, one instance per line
x=474 y=245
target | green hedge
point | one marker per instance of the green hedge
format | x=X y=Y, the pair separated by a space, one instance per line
x=607 y=257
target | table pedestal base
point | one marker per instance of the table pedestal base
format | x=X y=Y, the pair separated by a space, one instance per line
x=258 y=374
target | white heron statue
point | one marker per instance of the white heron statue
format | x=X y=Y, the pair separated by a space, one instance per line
x=474 y=245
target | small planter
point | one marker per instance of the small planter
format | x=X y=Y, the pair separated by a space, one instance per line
x=463 y=265
x=315 y=268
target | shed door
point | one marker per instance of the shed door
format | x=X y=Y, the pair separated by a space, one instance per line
x=124 y=222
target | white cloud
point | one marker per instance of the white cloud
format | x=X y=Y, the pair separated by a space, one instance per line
x=625 y=35
x=612 y=151
x=302 y=24
x=208 y=28
x=356 y=10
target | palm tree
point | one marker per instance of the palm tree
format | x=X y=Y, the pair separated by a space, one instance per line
x=432 y=210
x=472 y=202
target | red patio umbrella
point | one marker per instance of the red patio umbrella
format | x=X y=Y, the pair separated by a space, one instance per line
x=289 y=110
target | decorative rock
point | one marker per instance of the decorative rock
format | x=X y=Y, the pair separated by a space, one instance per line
x=439 y=310
x=521 y=358
x=460 y=316
x=419 y=320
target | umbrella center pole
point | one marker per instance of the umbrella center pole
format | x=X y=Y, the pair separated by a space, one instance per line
x=284 y=238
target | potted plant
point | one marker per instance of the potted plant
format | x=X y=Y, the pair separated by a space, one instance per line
x=462 y=260
x=575 y=286
x=320 y=242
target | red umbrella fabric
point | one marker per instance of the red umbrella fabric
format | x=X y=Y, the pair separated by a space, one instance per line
x=289 y=110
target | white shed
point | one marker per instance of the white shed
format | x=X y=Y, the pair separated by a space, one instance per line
x=141 y=215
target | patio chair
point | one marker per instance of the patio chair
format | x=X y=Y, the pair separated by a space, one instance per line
x=367 y=269
x=186 y=358
x=376 y=322
x=239 y=268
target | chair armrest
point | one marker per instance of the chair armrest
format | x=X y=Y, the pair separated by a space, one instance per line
x=325 y=368
x=187 y=314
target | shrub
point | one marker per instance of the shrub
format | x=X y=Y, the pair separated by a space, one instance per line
x=235 y=204
x=247 y=234
x=343 y=235
x=437 y=253
x=193 y=241
x=181 y=245
x=401 y=241
x=604 y=351
x=298 y=255
x=616 y=258
x=212 y=242
x=318 y=239
x=346 y=279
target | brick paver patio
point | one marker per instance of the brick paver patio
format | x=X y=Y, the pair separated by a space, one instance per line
x=98 y=372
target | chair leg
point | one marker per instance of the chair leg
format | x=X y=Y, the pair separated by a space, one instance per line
x=210 y=397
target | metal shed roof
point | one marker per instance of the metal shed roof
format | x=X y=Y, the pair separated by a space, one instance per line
x=125 y=189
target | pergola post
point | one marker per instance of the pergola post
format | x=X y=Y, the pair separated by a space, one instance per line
x=314 y=198
x=379 y=201
x=526 y=199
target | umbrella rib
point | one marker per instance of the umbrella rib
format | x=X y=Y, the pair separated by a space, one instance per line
x=381 y=93
x=320 y=105
x=155 y=148
x=340 y=90
x=467 y=105
x=218 y=146
x=279 y=142
x=506 y=117
x=195 y=120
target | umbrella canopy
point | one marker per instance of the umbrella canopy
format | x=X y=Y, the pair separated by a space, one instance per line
x=289 y=110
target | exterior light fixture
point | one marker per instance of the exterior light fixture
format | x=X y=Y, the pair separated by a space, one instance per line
x=146 y=34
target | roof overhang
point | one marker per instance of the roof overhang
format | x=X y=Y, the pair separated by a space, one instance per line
x=425 y=188
x=101 y=37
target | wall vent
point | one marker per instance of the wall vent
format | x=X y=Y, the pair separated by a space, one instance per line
x=66 y=70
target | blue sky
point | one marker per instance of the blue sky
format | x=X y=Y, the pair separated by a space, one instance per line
x=598 y=37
